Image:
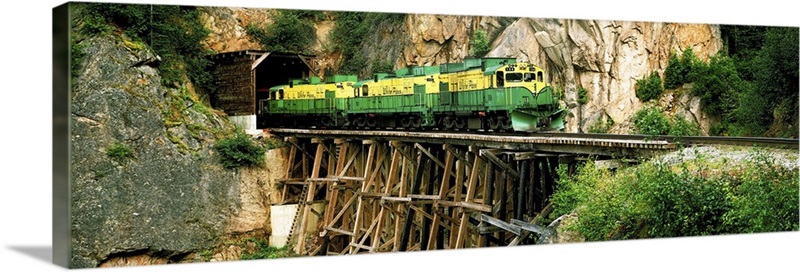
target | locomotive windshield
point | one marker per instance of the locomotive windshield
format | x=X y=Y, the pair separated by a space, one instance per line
x=514 y=77
x=529 y=77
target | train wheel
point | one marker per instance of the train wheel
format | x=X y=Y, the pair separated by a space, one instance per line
x=460 y=123
x=416 y=123
x=494 y=124
x=372 y=122
x=405 y=122
x=449 y=123
x=506 y=124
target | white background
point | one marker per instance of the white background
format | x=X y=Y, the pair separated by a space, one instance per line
x=26 y=168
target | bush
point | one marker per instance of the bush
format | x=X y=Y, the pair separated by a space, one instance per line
x=689 y=199
x=673 y=75
x=265 y=251
x=287 y=33
x=479 y=45
x=583 y=96
x=716 y=83
x=119 y=151
x=599 y=126
x=649 y=88
x=173 y=32
x=651 y=121
x=765 y=198
x=682 y=127
x=240 y=150
x=350 y=34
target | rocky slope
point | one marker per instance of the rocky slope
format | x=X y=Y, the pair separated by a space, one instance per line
x=147 y=189
x=604 y=57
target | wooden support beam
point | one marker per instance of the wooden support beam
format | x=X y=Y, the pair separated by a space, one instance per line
x=530 y=227
x=310 y=197
x=522 y=192
x=458 y=155
x=488 y=196
x=401 y=147
x=432 y=157
x=471 y=188
x=415 y=185
x=417 y=196
x=340 y=231
x=448 y=162
x=501 y=224
x=489 y=155
x=535 y=221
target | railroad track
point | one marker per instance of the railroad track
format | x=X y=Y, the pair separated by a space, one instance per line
x=585 y=139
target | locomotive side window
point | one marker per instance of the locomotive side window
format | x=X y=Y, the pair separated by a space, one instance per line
x=280 y=94
x=365 y=90
x=500 y=80
x=540 y=76
x=272 y=95
x=355 y=92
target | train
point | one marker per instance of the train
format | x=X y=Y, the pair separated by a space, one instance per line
x=489 y=94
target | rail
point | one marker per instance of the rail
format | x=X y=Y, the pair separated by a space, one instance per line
x=585 y=143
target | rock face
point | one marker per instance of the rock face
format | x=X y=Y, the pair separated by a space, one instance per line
x=603 y=57
x=606 y=58
x=169 y=196
x=228 y=27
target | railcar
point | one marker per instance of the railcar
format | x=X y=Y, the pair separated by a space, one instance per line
x=498 y=94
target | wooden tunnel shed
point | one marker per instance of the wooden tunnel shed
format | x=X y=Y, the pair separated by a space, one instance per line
x=241 y=74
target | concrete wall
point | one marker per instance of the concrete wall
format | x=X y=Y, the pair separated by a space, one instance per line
x=281 y=218
x=245 y=122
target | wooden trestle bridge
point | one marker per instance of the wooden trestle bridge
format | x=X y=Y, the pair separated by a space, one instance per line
x=389 y=191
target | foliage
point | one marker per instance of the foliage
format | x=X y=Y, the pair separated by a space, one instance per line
x=651 y=120
x=240 y=150
x=265 y=251
x=688 y=199
x=716 y=83
x=350 y=33
x=173 y=32
x=682 y=127
x=583 y=96
x=778 y=78
x=599 y=126
x=119 y=151
x=479 y=45
x=750 y=86
x=291 y=31
x=649 y=88
x=766 y=198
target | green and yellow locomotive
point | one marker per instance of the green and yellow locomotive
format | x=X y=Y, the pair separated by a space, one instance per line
x=496 y=94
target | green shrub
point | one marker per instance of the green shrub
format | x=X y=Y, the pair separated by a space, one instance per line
x=679 y=69
x=240 y=150
x=287 y=33
x=479 y=45
x=350 y=34
x=583 y=96
x=716 y=83
x=600 y=126
x=651 y=120
x=682 y=127
x=265 y=251
x=174 y=32
x=692 y=198
x=649 y=88
x=119 y=151
x=765 y=198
